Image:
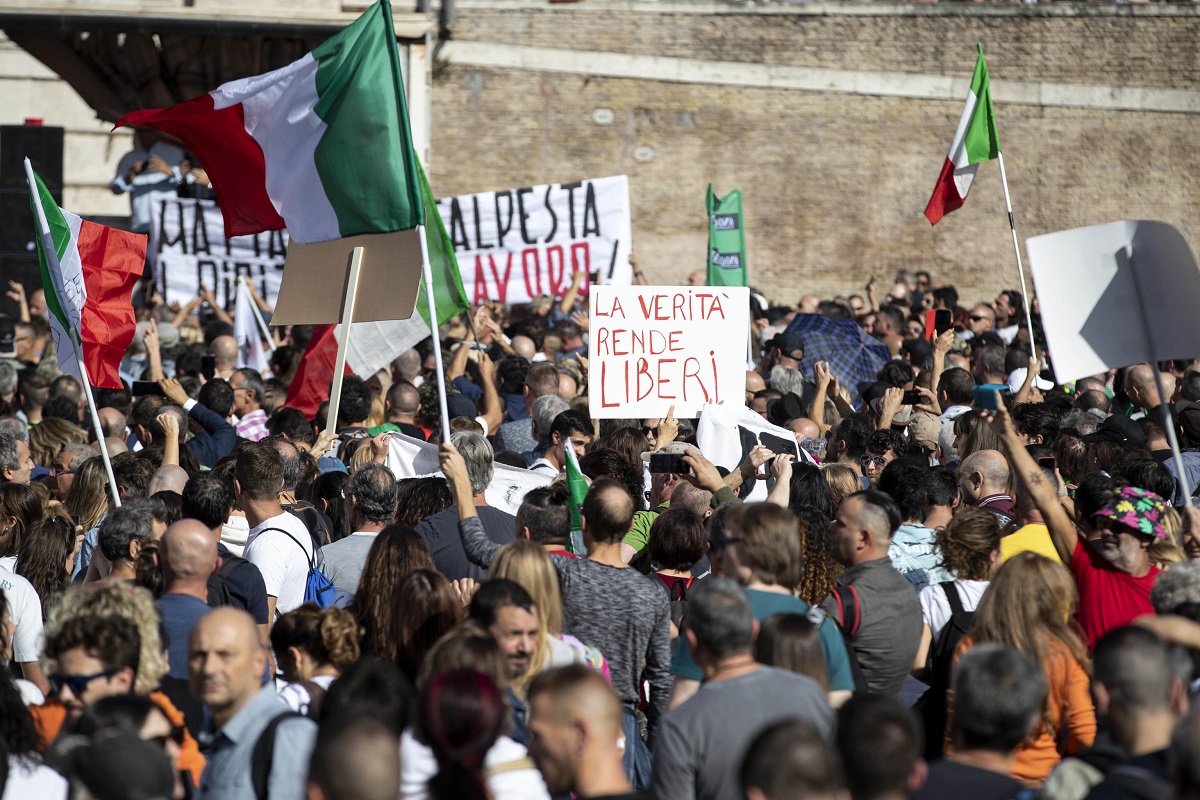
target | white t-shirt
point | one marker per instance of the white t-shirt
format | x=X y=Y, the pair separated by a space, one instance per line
x=418 y=765
x=283 y=562
x=25 y=609
x=935 y=609
x=28 y=778
x=297 y=696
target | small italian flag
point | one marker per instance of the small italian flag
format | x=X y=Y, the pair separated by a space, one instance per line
x=88 y=274
x=577 y=485
x=321 y=146
x=976 y=139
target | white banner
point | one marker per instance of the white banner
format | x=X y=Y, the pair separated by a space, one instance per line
x=727 y=433
x=514 y=245
x=653 y=347
x=412 y=458
x=188 y=248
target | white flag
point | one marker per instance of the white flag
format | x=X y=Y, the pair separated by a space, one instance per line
x=245 y=330
x=726 y=433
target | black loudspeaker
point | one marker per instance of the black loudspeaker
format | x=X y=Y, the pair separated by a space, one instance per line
x=42 y=145
x=20 y=267
x=17 y=228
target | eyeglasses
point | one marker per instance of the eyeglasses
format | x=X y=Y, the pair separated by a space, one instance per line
x=56 y=471
x=867 y=461
x=648 y=431
x=978 y=317
x=77 y=683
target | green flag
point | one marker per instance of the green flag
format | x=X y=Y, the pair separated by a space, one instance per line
x=726 y=240
x=448 y=291
x=577 y=485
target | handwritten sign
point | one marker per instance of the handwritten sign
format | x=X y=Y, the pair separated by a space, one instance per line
x=651 y=347
x=517 y=244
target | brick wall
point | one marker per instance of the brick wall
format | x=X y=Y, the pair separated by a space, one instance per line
x=834 y=183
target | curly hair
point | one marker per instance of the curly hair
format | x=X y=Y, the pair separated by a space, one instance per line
x=819 y=572
x=396 y=551
x=969 y=543
x=419 y=498
x=605 y=463
x=112 y=600
x=329 y=636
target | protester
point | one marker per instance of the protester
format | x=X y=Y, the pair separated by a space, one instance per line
x=879 y=741
x=791 y=760
x=372 y=495
x=313 y=646
x=187 y=557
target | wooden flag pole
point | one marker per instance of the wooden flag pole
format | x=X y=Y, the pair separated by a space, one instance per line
x=339 y=366
x=1012 y=226
x=258 y=317
x=427 y=275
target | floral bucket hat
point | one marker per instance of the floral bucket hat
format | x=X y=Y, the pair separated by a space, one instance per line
x=1137 y=509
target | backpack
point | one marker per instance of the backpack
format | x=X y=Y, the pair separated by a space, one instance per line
x=677 y=594
x=318 y=588
x=218 y=591
x=849 y=621
x=931 y=707
x=264 y=753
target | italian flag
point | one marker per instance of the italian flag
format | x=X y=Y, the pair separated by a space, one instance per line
x=321 y=147
x=976 y=139
x=88 y=274
x=577 y=486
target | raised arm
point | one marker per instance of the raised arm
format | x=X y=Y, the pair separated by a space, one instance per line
x=478 y=547
x=816 y=411
x=1033 y=481
x=493 y=408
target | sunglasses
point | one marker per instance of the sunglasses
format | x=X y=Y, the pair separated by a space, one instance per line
x=176 y=735
x=648 y=431
x=978 y=317
x=878 y=461
x=77 y=683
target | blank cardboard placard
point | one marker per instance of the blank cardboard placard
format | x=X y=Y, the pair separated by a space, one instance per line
x=314 y=279
x=1116 y=294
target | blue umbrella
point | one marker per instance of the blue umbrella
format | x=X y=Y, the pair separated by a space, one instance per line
x=854 y=356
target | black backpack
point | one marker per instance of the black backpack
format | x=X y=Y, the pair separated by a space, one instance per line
x=932 y=705
x=264 y=754
x=218 y=591
x=677 y=594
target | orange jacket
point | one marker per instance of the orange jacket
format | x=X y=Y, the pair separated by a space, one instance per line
x=1069 y=706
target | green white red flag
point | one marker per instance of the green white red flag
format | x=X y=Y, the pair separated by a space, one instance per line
x=976 y=139
x=88 y=274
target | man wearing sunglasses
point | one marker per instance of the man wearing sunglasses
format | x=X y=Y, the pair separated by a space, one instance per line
x=94 y=657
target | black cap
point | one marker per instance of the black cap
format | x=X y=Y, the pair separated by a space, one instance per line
x=789 y=344
x=785 y=409
x=1119 y=430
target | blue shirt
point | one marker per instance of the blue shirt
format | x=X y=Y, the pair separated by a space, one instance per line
x=915 y=555
x=764 y=604
x=228 y=773
x=180 y=612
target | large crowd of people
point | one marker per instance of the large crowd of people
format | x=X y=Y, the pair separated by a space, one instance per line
x=973 y=582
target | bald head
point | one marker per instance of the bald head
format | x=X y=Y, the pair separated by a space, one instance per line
x=224 y=350
x=403 y=401
x=524 y=347
x=607 y=511
x=187 y=555
x=226 y=660
x=754 y=382
x=112 y=422
x=168 y=478
x=575 y=719
x=115 y=446
x=983 y=473
x=804 y=428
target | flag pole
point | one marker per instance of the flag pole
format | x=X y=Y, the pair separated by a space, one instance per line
x=258 y=317
x=1124 y=261
x=1012 y=226
x=339 y=366
x=427 y=275
x=91 y=401
x=48 y=248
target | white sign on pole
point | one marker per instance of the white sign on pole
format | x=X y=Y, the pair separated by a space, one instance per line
x=727 y=433
x=1114 y=295
x=653 y=347
x=514 y=245
x=188 y=248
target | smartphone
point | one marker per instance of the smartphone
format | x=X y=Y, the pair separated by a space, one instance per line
x=1047 y=462
x=943 y=320
x=669 y=463
x=912 y=397
x=143 y=388
x=208 y=366
x=76 y=519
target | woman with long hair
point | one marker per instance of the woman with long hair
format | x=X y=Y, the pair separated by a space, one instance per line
x=972 y=433
x=88 y=498
x=47 y=558
x=819 y=572
x=312 y=646
x=461 y=714
x=329 y=496
x=418 y=498
x=1028 y=606
x=396 y=551
x=20 y=507
x=49 y=437
x=427 y=607
x=843 y=481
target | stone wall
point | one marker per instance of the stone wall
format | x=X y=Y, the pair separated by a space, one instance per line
x=835 y=182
